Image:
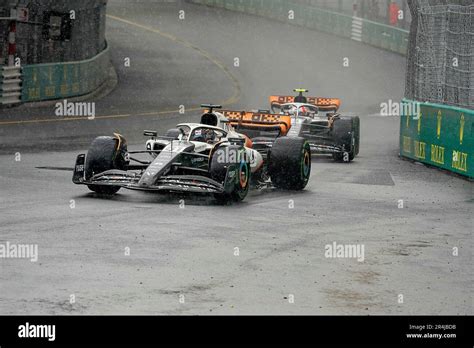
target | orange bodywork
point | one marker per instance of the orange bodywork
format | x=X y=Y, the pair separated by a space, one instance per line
x=248 y=142
x=321 y=103
x=258 y=120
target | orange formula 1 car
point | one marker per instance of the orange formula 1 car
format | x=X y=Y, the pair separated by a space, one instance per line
x=286 y=158
x=318 y=121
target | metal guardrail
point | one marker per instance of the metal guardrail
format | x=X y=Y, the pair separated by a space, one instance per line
x=10 y=85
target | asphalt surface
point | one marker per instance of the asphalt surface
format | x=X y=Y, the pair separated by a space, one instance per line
x=188 y=251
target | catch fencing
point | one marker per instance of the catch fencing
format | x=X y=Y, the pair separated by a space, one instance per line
x=440 y=77
x=441 y=55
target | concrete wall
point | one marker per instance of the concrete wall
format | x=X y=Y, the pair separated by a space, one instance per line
x=373 y=10
x=373 y=33
x=4 y=12
x=33 y=45
x=54 y=65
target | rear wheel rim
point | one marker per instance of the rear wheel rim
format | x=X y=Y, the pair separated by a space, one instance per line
x=243 y=175
x=306 y=163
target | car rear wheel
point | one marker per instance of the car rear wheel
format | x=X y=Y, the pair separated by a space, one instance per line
x=346 y=135
x=290 y=163
x=105 y=153
x=357 y=134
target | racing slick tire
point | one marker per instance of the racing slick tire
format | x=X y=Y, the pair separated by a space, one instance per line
x=105 y=153
x=346 y=135
x=357 y=134
x=290 y=163
x=218 y=171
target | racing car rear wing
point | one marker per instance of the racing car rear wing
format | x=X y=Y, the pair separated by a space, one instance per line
x=324 y=104
x=242 y=120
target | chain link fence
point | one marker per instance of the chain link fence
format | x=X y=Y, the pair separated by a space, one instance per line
x=441 y=53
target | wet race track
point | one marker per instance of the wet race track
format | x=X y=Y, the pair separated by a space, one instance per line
x=266 y=255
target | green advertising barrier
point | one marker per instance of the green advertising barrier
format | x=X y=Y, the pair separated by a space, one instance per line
x=63 y=80
x=372 y=33
x=440 y=136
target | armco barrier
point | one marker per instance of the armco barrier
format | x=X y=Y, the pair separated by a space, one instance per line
x=440 y=136
x=10 y=85
x=358 y=29
x=63 y=80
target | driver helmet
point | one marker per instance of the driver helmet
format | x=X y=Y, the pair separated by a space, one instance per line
x=292 y=110
x=198 y=135
x=304 y=111
x=209 y=136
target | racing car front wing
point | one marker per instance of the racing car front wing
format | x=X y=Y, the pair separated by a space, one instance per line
x=130 y=180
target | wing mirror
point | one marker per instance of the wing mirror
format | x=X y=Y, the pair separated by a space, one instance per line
x=149 y=133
